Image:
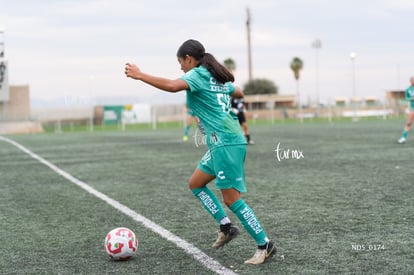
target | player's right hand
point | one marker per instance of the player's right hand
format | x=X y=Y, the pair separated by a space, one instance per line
x=132 y=71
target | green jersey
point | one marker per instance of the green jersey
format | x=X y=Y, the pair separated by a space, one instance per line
x=409 y=95
x=209 y=101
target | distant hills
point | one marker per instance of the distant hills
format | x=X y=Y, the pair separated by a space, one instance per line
x=68 y=101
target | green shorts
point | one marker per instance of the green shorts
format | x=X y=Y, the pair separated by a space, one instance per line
x=412 y=105
x=226 y=163
x=190 y=112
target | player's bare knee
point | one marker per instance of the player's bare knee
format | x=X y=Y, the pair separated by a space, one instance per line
x=194 y=183
x=229 y=200
x=191 y=184
x=228 y=203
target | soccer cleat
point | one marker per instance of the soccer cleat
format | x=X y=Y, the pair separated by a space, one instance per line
x=262 y=254
x=402 y=140
x=185 y=138
x=226 y=236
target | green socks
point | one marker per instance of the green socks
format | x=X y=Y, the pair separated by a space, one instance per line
x=245 y=214
x=187 y=130
x=210 y=202
x=249 y=221
x=405 y=134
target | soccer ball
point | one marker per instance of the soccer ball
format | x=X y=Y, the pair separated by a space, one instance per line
x=121 y=244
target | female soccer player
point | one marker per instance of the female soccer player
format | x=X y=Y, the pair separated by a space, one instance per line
x=409 y=95
x=208 y=86
x=237 y=106
x=188 y=122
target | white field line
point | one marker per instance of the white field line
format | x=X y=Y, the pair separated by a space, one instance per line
x=189 y=248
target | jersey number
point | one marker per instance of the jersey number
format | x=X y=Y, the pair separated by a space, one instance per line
x=223 y=100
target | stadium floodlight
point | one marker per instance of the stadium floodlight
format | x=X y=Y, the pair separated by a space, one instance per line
x=317 y=44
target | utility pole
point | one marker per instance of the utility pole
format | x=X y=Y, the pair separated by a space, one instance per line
x=249 y=47
x=1 y=42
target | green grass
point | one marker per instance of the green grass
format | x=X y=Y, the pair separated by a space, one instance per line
x=352 y=189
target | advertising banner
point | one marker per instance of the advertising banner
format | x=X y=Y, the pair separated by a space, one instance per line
x=112 y=115
x=137 y=113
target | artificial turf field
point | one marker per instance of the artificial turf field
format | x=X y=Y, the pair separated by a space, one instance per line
x=340 y=201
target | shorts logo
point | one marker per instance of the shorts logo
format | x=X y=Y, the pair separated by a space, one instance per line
x=221 y=175
x=206 y=158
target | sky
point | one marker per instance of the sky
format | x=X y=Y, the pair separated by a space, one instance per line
x=73 y=52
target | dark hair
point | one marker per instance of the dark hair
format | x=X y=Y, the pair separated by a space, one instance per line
x=196 y=49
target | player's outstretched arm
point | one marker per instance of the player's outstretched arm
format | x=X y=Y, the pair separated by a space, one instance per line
x=168 y=85
x=238 y=93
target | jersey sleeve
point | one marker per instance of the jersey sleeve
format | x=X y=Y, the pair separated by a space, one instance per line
x=409 y=94
x=192 y=79
x=231 y=88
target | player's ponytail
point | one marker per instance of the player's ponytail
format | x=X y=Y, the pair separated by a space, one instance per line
x=218 y=71
x=196 y=49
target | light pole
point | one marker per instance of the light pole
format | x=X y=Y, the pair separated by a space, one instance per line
x=398 y=77
x=249 y=44
x=317 y=44
x=92 y=100
x=1 y=42
x=352 y=55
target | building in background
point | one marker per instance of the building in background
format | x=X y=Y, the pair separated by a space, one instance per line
x=14 y=101
x=15 y=112
x=17 y=106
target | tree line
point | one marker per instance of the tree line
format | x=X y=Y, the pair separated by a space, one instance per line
x=262 y=85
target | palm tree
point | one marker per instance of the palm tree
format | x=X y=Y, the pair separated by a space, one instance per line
x=230 y=64
x=296 y=65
